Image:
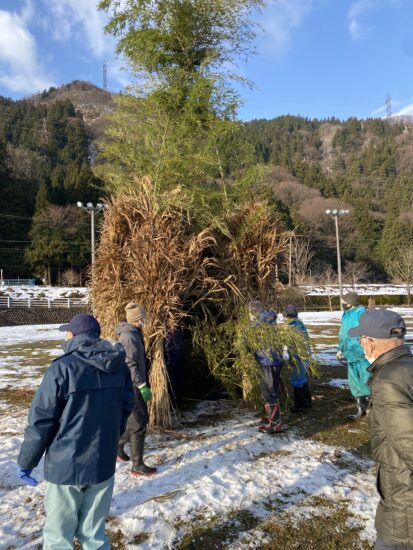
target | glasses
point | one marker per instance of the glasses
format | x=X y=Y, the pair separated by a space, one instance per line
x=360 y=338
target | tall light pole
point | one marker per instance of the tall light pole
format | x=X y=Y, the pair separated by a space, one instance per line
x=338 y=214
x=92 y=210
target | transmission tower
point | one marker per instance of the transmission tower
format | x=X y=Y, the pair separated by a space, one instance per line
x=388 y=106
x=105 y=76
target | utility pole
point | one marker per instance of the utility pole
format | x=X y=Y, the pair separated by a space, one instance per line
x=90 y=209
x=290 y=261
x=338 y=214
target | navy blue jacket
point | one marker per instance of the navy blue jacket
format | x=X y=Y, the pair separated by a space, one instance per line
x=79 y=412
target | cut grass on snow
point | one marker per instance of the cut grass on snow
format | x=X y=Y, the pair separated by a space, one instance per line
x=327 y=526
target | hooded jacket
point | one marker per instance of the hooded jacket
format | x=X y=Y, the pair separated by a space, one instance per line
x=391 y=427
x=350 y=346
x=132 y=340
x=79 y=412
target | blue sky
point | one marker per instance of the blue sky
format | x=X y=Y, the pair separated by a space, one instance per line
x=316 y=58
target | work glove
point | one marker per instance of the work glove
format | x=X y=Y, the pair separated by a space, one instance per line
x=340 y=355
x=24 y=475
x=145 y=392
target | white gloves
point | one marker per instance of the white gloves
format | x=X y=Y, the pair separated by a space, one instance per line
x=340 y=355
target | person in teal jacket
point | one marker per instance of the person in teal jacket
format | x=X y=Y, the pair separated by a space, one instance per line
x=350 y=349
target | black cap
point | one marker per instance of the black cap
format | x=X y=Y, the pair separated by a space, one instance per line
x=382 y=324
x=81 y=323
x=290 y=310
x=352 y=298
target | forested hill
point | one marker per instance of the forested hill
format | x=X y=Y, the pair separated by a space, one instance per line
x=364 y=165
x=48 y=147
x=46 y=150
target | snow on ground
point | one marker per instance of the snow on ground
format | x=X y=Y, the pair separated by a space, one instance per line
x=212 y=469
x=25 y=352
x=361 y=289
x=338 y=382
x=216 y=469
x=38 y=292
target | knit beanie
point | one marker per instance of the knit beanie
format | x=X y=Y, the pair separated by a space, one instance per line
x=352 y=298
x=134 y=312
x=291 y=310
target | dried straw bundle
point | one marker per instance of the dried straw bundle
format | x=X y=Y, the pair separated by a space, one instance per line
x=248 y=253
x=150 y=255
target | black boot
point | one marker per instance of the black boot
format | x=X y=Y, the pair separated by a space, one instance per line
x=139 y=468
x=361 y=409
x=299 y=405
x=274 y=425
x=308 y=403
x=122 y=456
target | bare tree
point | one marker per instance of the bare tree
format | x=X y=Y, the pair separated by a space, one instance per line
x=327 y=278
x=356 y=272
x=401 y=270
x=302 y=255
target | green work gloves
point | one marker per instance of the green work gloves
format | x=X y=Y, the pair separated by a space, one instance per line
x=146 y=392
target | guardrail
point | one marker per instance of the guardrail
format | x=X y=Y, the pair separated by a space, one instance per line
x=18 y=282
x=6 y=302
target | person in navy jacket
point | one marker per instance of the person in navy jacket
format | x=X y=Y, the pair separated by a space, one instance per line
x=75 y=420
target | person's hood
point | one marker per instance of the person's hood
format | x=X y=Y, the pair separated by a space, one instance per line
x=126 y=327
x=96 y=352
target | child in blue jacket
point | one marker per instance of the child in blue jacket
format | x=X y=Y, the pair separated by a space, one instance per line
x=299 y=382
x=271 y=363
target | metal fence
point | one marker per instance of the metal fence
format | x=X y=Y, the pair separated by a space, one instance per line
x=6 y=302
x=17 y=282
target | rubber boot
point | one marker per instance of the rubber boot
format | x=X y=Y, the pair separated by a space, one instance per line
x=298 y=405
x=139 y=468
x=122 y=456
x=361 y=410
x=366 y=403
x=308 y=403
x=274 y=425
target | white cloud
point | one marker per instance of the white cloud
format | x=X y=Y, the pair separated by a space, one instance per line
x=279 y=20
x=357 y=27
x=80 y=18
x=20 y=68
x=81 y=21
x=407 y=110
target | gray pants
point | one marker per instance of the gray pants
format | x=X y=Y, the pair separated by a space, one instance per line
x=77 y=510
x=380 y=545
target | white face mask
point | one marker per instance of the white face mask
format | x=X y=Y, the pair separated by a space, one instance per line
x=370 y=359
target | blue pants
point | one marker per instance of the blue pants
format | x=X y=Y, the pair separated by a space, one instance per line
x=270 y=385
x=77 y=511
x=358 y=378
x=299 y=373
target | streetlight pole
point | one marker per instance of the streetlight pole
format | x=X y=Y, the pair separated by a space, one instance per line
x=92 y=210
x=338 y=214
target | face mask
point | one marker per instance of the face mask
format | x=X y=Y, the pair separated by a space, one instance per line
x=142 y=323
x=346 y=307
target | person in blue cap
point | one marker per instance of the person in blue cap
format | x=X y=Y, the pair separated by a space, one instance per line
x=350 y=349
x=76 y=418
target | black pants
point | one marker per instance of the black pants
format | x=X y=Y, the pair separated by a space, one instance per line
x=380 y=545
x=270 y=387
x=137 y=421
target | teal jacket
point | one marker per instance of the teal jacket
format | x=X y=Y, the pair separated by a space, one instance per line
x=351 y=347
